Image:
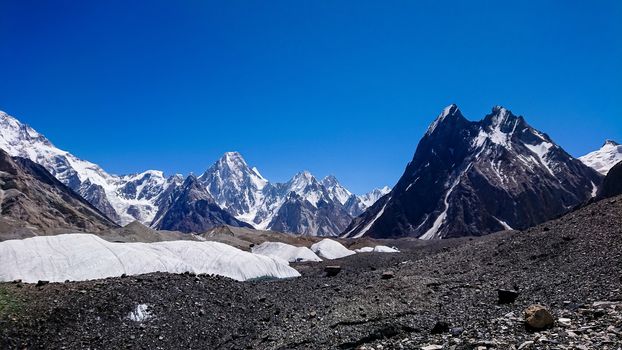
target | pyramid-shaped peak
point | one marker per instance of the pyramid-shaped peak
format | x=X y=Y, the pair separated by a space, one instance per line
x=449 y=114
x=330 y=180
x=234 y=157
x=610 y=143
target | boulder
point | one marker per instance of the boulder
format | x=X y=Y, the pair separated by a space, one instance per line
x=332 y=270
x=538 y=317
x=440 y=327
x=507 y=296
x=387 y=275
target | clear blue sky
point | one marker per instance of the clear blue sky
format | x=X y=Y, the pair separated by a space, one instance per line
x=335 y=87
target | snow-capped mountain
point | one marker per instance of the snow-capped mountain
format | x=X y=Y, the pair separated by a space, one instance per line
x=473 y=178
x=302 y=205
x=121 y=198
x=604 y=158
x=305 y=205
x=370 y=198
x=235 y=186
x=335 y=190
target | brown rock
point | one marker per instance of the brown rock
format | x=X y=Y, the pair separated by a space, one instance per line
x=538 y=317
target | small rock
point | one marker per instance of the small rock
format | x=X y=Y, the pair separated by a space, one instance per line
x=456 y=330
x=41 y=283
x=564 y=322
x=538 y=317
x=387 y=275
x=432 y=347
x=332 y=270
x=507 y=296
x=525 y=345
x=440 y=327
x=312 y=314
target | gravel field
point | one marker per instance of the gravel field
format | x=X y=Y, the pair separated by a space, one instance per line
x=432 y=295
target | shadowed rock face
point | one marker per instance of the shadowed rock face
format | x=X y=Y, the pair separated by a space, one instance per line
x=612 y=184
x=192 y=209
x=474 y=178
x=31 y=196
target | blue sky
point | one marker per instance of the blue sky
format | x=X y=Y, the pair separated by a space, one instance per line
x=335 y=87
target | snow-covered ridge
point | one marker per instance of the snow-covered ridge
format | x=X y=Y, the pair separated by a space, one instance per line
x=603 y=159
x=78 y=257
x=237 y=188
x=123 y=198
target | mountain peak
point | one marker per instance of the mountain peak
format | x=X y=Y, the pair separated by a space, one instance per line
x=449 y=113
x=500 y=116
x=330 y=180
x=232 y=160
x=305 y=174
x=610 y=143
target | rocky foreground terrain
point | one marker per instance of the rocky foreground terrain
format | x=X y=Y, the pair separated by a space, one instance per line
x=432 y=295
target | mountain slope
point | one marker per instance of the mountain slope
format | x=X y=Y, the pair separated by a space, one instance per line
x=30 y=196
x=604 y=158
x=612 y=184
x=193 y=209
x=474 y=178
x=121 y=198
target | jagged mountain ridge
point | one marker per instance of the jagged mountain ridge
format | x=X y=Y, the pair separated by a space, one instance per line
x=473 y=178
x=233 y=185
x=33 y=198
x=303 y=205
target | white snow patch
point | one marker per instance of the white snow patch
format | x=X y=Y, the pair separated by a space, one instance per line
x=140 y=313
x=285 y=251
x=377 y=249
x=79 y=257
x=542 y=150
x=329 y=249
x=503 y=223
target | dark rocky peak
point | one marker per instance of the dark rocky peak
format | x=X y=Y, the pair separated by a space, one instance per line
x=502 y=119
x=450 y=117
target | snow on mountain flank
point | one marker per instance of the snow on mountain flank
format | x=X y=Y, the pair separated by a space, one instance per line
x=302 y=205
x=603 y=159
x=122 y=198
x=78 y=257
x=478 y=177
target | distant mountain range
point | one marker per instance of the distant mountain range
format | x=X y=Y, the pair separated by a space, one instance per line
x=466 y=178
x=229 y=192
x=474 y=178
